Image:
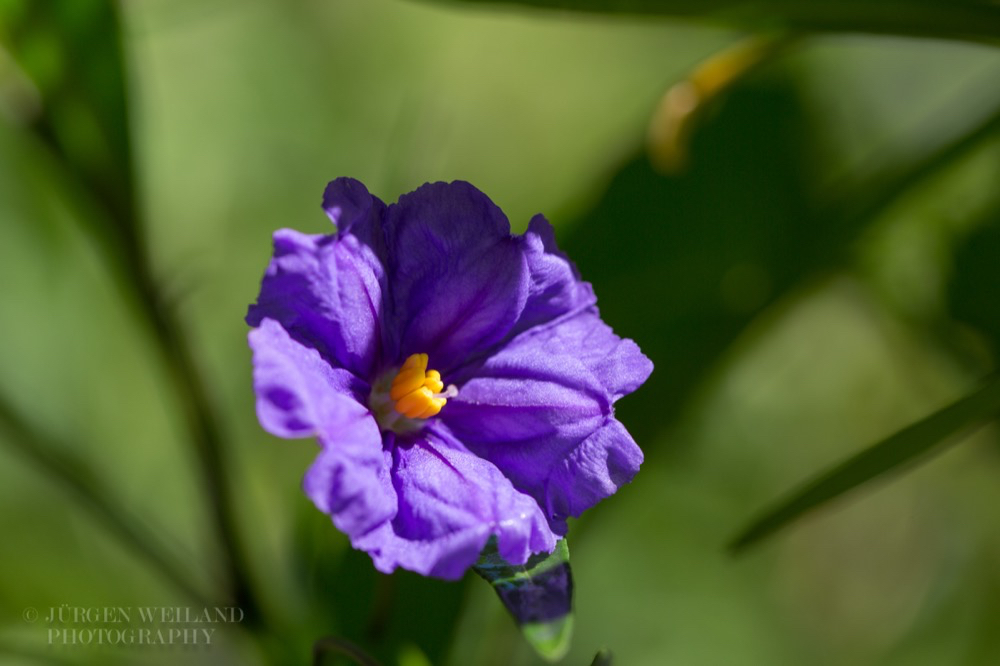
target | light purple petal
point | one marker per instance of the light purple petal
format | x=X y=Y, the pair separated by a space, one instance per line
x=326 y=292
x=450 y=503
x=531 y=438
x=459 y=279
x=350 y=477
x=295 y=388
x=300 y=395
x=555 y=289
x=617 y=363
x=541 y=410
x=595 y=469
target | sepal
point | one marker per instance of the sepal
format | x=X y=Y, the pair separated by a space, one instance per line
x=538 y=594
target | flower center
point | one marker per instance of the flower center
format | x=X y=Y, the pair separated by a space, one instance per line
x=414 y=393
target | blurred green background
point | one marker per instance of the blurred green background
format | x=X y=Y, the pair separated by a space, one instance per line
x=821 y=271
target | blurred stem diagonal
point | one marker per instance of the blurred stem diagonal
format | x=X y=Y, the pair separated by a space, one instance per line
x=100 y=177
x=80 y=480
x=920 y=438
x=902 y=448
x=886 y=190
x=332 y=646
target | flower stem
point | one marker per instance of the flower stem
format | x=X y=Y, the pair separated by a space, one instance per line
x=74 y=475
x=105 y=188
x=206 y=434
x=331 y=645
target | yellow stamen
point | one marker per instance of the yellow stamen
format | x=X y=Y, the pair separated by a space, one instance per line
x=418 y=393
x=433 y=381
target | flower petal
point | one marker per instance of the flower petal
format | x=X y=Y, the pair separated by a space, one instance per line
x=555 y=288
x=300 y=395
x=326 y=292
x=541 y=410
x=295 y=388
x=450 y=503
x=355 y=211
x=459 y=279
x=593 y=470
x=617 y=363
x=350 y=477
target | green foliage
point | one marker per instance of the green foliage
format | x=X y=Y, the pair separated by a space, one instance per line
x=763 y=280
x=976 y=270
x=72 y=53
x=891 y=454
x=970 y=19
x=602 y=658
x=695 y=256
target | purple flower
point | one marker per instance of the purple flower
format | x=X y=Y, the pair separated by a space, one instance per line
x=459 y=379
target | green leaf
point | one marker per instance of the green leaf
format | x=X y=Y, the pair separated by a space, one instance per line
x=972 y=292
x=965 y=20
x=892 y=453
x=682 y=262
x=72 y=54
x=538 y=594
